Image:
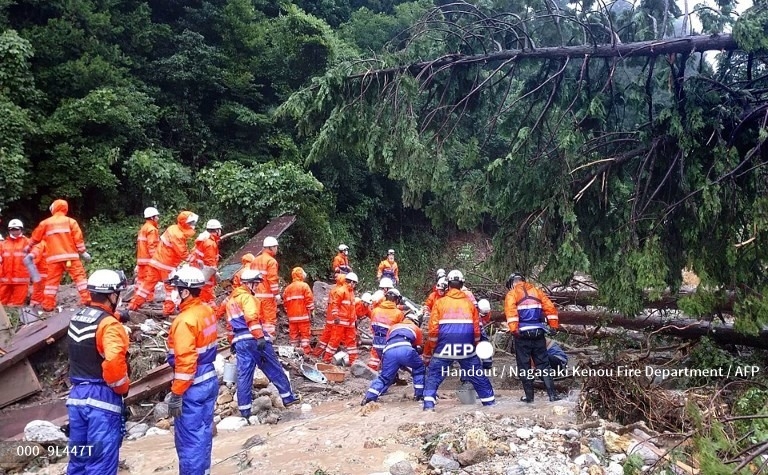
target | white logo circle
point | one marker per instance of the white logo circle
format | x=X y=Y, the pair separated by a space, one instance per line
x=484 y=350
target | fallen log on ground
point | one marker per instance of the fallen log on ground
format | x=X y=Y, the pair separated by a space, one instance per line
x=668 y=300
x=680 y=328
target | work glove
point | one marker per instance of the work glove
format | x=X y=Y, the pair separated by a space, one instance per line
x=128 y=330
x=261 y=343
x=125 y=315
x=86 y=257
x=174 y=405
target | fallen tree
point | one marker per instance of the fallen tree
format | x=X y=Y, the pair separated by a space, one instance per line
x=680 y=328
x=668 y=300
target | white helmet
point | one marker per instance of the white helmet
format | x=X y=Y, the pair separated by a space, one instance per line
x=188 y=277
x=386 y=283
x=251 y=275
x=367 y=298
x=455 y=276
x=343 y=247
x=484 y=306
x=391 y=251
x=442 y=284
x=270 y=241
x=440 y=273
x=351 y=277
x=15 y=223
x=192 y=219
x=151 y=212
x=213 y=224
x=106 y=281
x=377 y=296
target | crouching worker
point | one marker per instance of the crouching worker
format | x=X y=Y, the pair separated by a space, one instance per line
x=252 y=344
x=192 y=344
x=402 y=350
x=558 y=360
x=98 y=370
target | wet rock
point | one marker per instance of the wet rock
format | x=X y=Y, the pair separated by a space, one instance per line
x=402 y=467
x=156 y=431
x=476 y=438
x=224 y=399
x=572 y=433
x=231 y=424
x=44 y=432
x=523 y=433
x=261 y=403
x=160 y=411
x=586 y=460
x=472 y=456
x=615 y=443
x=645 y=451
x=163 y=424
x=360 y=370
x=137 y=431
x=597 y=446
x=253 y=441
x=253 y=420
x=260 y=379
x=596 y=470
x=270 y=418
x=615 y=469
x=443 y=463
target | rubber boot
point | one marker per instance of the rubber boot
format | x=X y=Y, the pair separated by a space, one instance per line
x=550 y=385
x=528 y=390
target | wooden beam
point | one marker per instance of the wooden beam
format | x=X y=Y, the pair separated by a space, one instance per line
x=19 y=380
x=31 y=338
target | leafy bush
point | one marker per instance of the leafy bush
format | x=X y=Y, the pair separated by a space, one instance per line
x=112 y=244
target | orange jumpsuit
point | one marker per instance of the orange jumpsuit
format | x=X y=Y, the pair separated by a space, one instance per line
x=341 y=307
x=268 y=289
x=245 y=261
x=431 y=299
x=383 y=318
x=192 y=343
x=525 y=304
x=299 y=304
x=64 y=243
x=207 y=255
x=388 y=269
x=171 y=251
x=38 y=252
x=146 y=244
x=340 y=264
x=14 y=276
x=325 y=337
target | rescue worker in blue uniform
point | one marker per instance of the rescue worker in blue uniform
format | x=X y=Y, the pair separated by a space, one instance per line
x=252 y=344
x=98 y=370
x=402 y=349
x=192 y=344
x=454 y=326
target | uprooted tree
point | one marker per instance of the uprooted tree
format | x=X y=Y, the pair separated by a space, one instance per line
x=586 y=136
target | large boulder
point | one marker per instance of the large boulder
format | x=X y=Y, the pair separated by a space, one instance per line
x=45 y=433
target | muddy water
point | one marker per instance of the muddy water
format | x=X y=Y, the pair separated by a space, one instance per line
x=330 y=438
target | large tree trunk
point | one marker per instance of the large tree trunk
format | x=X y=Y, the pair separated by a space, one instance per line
x=668 y=300
x=690 y=44
x=681 y=328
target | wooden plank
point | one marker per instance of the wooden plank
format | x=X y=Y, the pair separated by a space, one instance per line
x=31 y=338
x=12 y=422
x=20 y=380
x=157 y=380
x=274 y=228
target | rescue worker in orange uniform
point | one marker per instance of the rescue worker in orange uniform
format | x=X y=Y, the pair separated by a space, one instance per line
x=364 y=306
x=529 y=312
x=388 y=268
x=253 y=346
x=439 y=291
x=14 y=276
x=98 y=370
x=146 y=245
x=64 y=245
x=38 y=254
x=341 y=307
x=245 y=262
x=207 y=255
x=170 y=253
x=192 y=343
x=402 y=348
x=340 y=264
x=268 y=291
x=454 y=331
x=328 y=329
x=300 y=306
x=383 y=318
